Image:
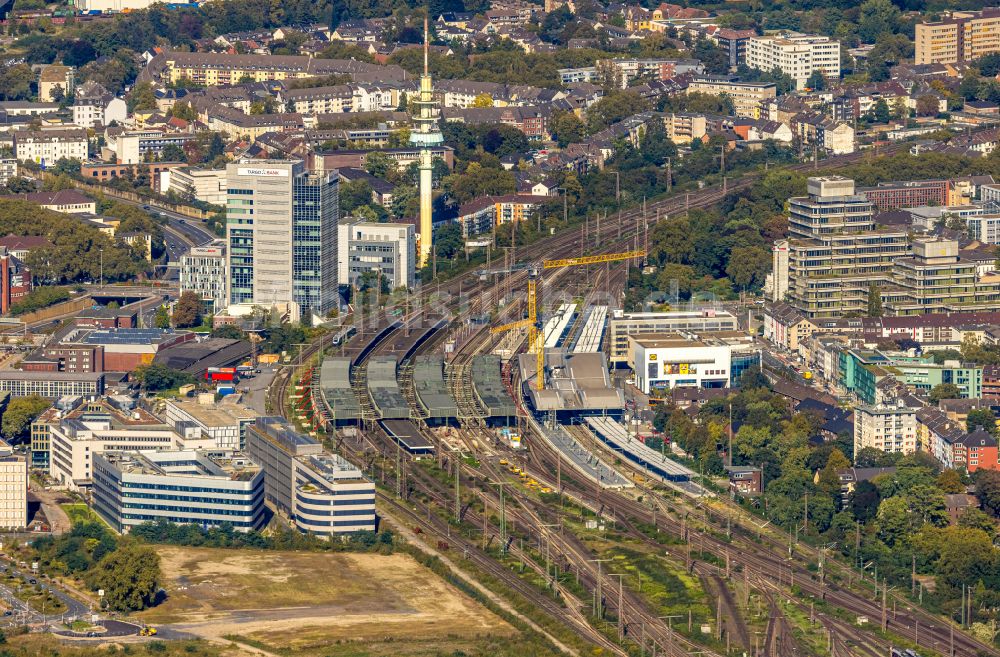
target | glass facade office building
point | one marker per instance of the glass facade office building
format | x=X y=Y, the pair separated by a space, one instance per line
x=282 y=235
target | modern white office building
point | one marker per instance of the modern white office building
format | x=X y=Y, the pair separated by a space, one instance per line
x=386 y=248
x=203 y=271
x=282 y=235
x=74 y=442
x=225 y=423
x=797 y=55
x=710 y=360
x=319 y=492
x=179 y=486
x=195 y=183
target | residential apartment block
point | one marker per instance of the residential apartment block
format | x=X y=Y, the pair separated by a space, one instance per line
x=795 y=54
x=961 y=37
x=48 y=146
x=886 y=427
x=746 y=96
x=213 y=69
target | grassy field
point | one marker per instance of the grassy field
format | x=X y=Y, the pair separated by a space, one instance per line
x=300 y=602
x=80 y=513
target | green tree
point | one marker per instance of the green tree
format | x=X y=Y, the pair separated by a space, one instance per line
x=354 y=194
x=448 y=241
x=155 y=377
x=613 y=108
x=927 y=504
x=162 y=318
x=988 y=490
x=864 y=501
x=379 y=164
x=944 y=391
x=20 y=413
x=880 y=112
x=874 y=301
x=977 y=519
x=748 y=266
x=950 y=481
x=129 y=576
x=142 y=97
x=877 y=18
x=981 y=417
x=566 y=128
x=183 y=110
x=893 y=520
x=188 y=310
x=816 y=81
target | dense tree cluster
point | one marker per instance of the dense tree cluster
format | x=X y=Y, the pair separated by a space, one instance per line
x=169 y=533
x=127 y=572
x=895 y=521
x=72 y=256
x=19 y=414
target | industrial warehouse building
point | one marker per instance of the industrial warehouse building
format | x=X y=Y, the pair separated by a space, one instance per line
x=321 y=493
x=81 y=349
x=51 y=385
x=185 y=486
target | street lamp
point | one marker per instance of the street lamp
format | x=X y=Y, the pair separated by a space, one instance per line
x=101 y=279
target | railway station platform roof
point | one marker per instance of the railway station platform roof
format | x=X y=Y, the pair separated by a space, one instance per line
x=574 y=383
x=407 y=435
x=335 y=389
x=431 y=387
x=383 y=389
x=489 y=388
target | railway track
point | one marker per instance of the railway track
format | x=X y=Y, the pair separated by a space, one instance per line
x=629 y=225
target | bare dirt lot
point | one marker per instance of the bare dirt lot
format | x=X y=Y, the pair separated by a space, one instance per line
x=301 y=600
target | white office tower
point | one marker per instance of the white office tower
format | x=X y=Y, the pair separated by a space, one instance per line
x=426 y=136
x=281 y=228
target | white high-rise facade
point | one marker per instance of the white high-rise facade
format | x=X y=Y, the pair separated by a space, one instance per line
x=281 y=228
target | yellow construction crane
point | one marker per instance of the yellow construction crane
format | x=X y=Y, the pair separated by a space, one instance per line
x=536 y=336
x=592 y=260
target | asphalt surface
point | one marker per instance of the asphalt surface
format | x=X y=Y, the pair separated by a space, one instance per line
x=114 y=628
x=73 y=606
x=256 y=388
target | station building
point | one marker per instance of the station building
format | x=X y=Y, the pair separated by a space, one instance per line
x=708 y=360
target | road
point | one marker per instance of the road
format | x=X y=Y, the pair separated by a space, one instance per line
x=73 y=606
